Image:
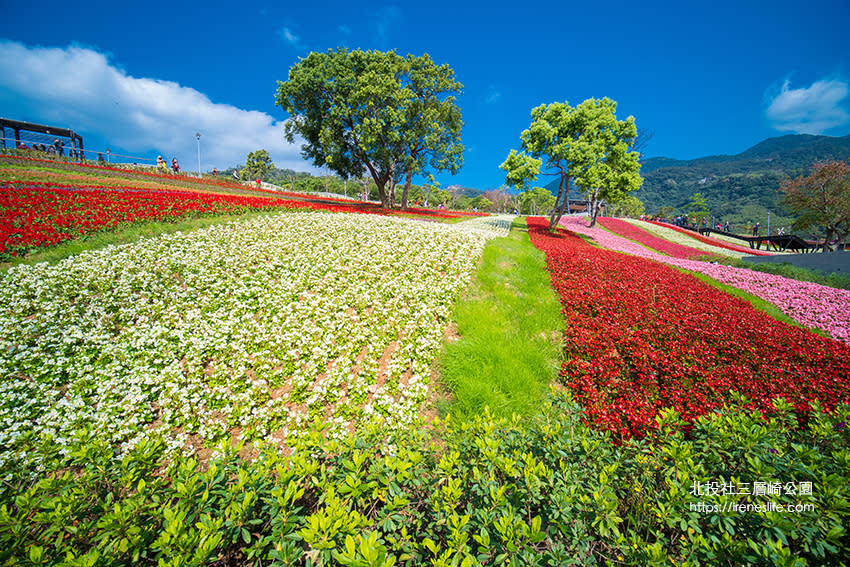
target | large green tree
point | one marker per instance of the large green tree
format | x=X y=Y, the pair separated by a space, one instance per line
x=822 y=201
x=585 y=145
x=368 y=111
x=433 y=122
x=257 y=165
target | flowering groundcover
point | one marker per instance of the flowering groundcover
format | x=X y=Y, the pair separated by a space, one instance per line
x=714 y=242
x=245 y=331
x=642 y=336
x=810 y=304
x=36 y=215
x=657 y=243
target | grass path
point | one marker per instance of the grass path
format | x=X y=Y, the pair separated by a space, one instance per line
x=509 y=327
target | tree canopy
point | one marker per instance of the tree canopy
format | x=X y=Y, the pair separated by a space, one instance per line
x=822 y=201
x=257 y=165
x=698 y=208
x=381 y=113
x=630 y=206
x=585 y=145
x=536 y=200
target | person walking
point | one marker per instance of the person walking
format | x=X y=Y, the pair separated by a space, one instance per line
x=175 y=167
x=756 y=229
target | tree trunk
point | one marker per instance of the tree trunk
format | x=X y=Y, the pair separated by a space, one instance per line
x=560 y=206
x=594 y=206
x=406 y=189
x=382 y=194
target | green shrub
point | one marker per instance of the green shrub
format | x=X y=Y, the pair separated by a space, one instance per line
x=542 y=491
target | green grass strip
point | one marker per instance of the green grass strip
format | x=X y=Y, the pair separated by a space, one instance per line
x=510 y=326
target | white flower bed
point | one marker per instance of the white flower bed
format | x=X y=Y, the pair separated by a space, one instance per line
x=247 y=330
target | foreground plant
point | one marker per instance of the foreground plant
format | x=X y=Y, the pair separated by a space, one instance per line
x=546 y=490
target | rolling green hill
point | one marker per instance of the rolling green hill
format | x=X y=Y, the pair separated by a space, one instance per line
x=740 y=188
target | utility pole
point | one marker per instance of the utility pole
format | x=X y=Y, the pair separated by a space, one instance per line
x=198 y=136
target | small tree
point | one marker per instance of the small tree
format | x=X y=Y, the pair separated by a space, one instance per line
x=500 y=198
x=666 y=211
x=257 y=165
x=630 y=206
x=698 y=208
x=536 y=200
x=585 y=145
x=822 y=201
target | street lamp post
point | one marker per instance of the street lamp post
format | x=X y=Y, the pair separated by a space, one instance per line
x=198 y=136
x=768 y=223
x=108 y=152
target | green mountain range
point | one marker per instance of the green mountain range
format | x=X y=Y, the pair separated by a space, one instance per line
x=740 y=188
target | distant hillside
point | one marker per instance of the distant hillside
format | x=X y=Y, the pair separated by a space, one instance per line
x=739 y=188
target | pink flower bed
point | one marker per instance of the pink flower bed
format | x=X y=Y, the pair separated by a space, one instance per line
x=641 y=236
x=807 y=303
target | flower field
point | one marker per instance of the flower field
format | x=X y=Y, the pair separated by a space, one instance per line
x=37 y=215
x=810 y=304
x=632 y=232
x=719 y=240
x=248 y=330
x=642 y=336
x=686 y=238
x=40 y=214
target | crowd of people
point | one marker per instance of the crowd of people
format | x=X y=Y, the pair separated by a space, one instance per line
x=686 y=221
x=57 y=148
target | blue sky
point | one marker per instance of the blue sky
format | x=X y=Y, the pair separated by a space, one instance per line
x=706 y=77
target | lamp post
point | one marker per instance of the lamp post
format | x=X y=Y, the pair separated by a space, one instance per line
x=108 y=151
x=768 y=223
x=198 y=136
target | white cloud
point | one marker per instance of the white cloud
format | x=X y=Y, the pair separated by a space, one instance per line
x=385 y=20
x=811 y=110
x=79 y=88
x=493 y=95
x=345 y=30
x=287 y=35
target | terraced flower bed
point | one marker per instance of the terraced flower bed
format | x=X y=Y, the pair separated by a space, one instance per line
x=249 y=330
x=642 y=336
x=720 y=240
x=685 y=238
x=36 y=215
x=632 y=232
x=810 y=304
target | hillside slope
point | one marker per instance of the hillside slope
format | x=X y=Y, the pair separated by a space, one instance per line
x=739 y=188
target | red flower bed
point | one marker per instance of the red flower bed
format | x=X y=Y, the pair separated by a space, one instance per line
x=225 y=184
x=642 y=336
x=632 y=232
x=714 y=241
